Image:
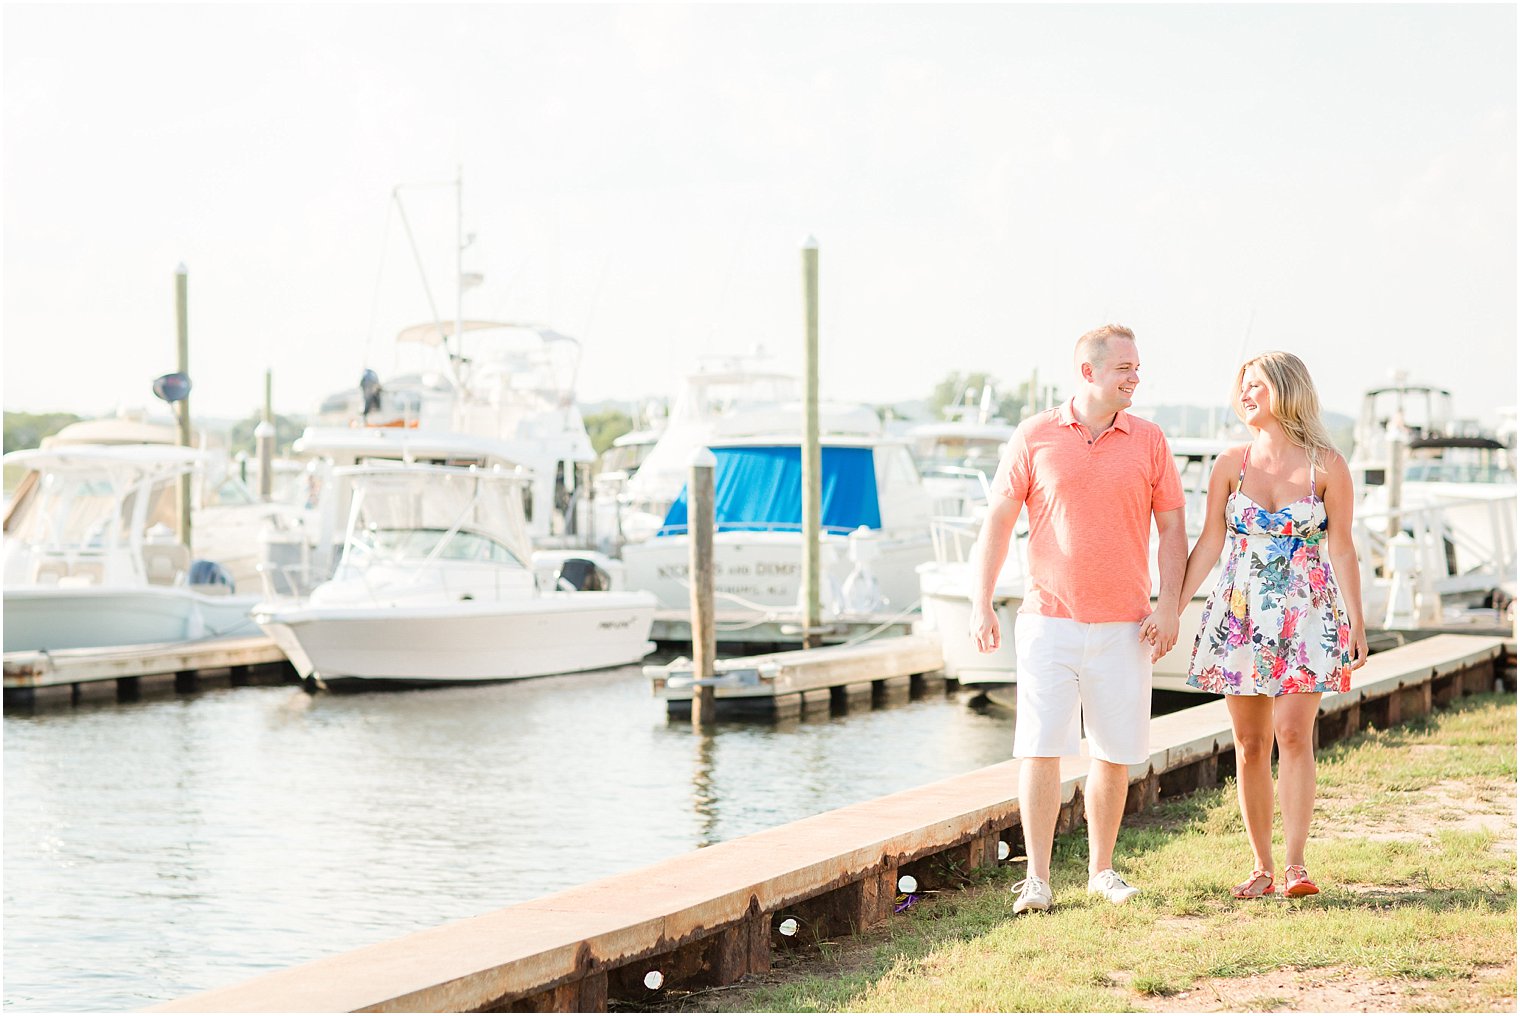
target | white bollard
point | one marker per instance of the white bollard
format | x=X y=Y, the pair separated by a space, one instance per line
x=1403 y=561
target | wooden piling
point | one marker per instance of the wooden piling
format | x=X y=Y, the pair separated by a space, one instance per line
x=704 y=635
x=182 y=322
x=263 y=436
x=812 y=473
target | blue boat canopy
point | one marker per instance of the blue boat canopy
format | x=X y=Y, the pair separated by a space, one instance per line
x=760 y=488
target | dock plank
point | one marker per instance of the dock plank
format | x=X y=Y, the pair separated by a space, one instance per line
x=43 y=669
x=76 y=666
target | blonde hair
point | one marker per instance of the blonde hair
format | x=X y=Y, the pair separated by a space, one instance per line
x=1093 y=347
x=1295 y=403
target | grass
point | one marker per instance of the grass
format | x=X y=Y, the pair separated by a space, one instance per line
x=1416 y=908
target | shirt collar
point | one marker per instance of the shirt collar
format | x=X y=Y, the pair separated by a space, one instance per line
x=1067 y=414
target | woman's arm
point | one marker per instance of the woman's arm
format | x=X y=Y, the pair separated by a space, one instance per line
x=1348 y=575
x=1211 y=540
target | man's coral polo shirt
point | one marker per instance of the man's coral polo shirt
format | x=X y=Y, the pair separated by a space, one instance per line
x=1090 y=504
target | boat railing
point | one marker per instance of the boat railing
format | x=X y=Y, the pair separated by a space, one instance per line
x=1489 y=549
x=958 y=504
x=952 y=537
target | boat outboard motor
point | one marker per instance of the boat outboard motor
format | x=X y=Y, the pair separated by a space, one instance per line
x=583 y=575
x=204 y=574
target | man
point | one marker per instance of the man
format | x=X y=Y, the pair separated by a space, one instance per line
x=1093 y=476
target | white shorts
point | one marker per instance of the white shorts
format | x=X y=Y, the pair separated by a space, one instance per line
x=1101 y=669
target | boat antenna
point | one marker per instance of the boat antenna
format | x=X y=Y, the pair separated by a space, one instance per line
x=1245 y=337
x=374 y=306
x=450 y=355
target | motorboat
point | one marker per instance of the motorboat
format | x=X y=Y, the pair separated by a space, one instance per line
x=300 y=557
x=512 y=383
x=874 y=530
x=92 y=558
x=955 y=458
x=227 y=519
x=1453 y=496
x=727 y=399
x=436 y=583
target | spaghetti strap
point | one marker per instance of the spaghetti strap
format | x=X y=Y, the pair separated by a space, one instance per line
x=1311 y=474
x=1244 y=458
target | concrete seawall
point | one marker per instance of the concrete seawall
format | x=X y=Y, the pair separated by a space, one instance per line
x=711 y=916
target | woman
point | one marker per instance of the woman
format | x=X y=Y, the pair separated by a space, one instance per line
x=1277 y=632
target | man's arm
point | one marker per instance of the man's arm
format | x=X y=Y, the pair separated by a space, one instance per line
x=1160 y=628
x=987 y=558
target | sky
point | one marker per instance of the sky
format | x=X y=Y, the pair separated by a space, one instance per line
x=984 y=182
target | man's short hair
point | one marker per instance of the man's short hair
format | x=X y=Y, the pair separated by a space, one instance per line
x=1093 y=347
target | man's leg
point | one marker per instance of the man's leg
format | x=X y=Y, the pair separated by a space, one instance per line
x=1039 y=804
x=1045 y=729
x=1107 y=788
x=1116 y=705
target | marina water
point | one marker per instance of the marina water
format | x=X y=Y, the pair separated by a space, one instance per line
x=160 y=848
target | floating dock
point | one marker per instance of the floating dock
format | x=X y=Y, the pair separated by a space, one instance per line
x=713 y=915
x=830 y=678
x=69 y=675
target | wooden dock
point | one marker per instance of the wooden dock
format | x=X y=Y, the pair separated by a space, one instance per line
x=68 y=675
x=830 y=678
x=711 y=916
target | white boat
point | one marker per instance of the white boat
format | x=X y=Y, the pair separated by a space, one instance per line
x=227 y=520
x=727 y=399
x=874 y=531
x=510 y=383
x=436 y=584
x=298 y=558
x=1454 y=498
x=955 y=458
x=91 y=559
x=945 y=584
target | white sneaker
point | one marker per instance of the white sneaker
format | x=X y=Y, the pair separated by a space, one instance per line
x=1034 y=894
x=1110 y=886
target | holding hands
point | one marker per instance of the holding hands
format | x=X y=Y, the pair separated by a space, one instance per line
x=1160 y=630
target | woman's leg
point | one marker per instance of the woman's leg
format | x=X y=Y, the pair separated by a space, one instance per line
x=1251 y=716
x=1293 y=719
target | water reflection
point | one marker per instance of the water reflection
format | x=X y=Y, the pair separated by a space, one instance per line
x=704 y=800
x=168 y=846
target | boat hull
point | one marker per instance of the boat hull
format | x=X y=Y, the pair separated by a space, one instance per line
x=48 y=617
x=553 y=633
x=763 y=570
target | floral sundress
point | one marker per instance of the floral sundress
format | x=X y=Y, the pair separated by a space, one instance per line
x=1275 y=623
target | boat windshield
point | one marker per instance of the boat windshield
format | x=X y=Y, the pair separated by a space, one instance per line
x=1448 y=471
x=80 y=510
x=435 y=512
x=403 y=544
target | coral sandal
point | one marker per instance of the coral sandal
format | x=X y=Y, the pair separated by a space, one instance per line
x=1298 y=882
x=1252 y=889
